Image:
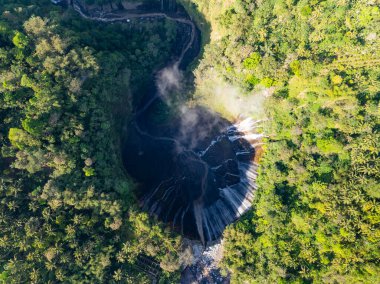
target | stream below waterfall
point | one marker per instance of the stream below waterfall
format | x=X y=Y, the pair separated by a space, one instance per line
x=195 y=170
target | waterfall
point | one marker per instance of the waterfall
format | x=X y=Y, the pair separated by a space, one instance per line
x=199 y=178
x=213 y=187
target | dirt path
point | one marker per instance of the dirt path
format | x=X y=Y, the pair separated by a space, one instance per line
x=125 y=17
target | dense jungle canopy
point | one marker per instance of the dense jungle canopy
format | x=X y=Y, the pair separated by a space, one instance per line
x=68 y=209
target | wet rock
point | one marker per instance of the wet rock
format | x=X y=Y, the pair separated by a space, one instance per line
x=198 y=193
x=219 y=152
x=205 y=268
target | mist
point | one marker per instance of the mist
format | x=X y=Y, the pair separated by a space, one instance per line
x=213 y=93
x=169 y=80
x=230 y=101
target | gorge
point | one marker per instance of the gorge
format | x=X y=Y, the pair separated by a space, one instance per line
x=131 y=141
x=196 y=171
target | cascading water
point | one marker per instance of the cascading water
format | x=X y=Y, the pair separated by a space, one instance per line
x=196 y=170
x=197 y=183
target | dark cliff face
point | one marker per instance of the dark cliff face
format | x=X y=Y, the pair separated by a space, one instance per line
x=197 y=177
x=194 y=168
x=168 y=5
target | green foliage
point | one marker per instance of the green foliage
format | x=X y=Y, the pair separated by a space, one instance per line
x=67 y=209
x=329 y=146
x=267 y=82
x=336 y=80
x=306 y=11
x=227 y=18
x=88 y=171
x=20 y=139
x=3 y=277
x=316 y=215
x=32 y=126
x=252 y=80
x=20 y=40
x=252 y=61
x=295 y=66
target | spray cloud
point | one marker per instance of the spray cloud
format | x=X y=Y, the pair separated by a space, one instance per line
x=169 y=80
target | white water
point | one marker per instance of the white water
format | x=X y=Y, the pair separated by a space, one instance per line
x=234 y=200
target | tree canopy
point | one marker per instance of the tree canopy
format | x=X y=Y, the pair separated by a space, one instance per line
x=67 y=209
x=316 y=215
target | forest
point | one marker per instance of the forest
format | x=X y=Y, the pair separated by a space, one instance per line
x=68 y=212
x=68 y=209
x=316 y=215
